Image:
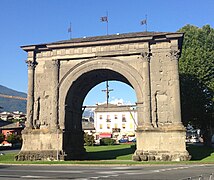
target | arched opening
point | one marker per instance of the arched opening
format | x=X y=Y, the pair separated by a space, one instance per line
x=73 y=133
x=113 y=124
x=119 y=93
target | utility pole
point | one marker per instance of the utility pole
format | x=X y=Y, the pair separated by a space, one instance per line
x=107 y=90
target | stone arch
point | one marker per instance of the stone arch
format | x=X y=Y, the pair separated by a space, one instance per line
x=155 y=56
x=73 y=88
x=131 y=77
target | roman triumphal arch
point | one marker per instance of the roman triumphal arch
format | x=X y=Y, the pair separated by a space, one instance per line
x=61 y=74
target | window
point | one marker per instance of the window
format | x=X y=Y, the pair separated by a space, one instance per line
x=101 y=117
x=124 y=126
x=8 y=133
x=131 y=126
x=115 y=126
x=101 y=126
x=108 y=118
x=115 y=116
x=108 y=126
x=123 y=118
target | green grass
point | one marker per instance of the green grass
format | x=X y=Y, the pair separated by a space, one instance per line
x=201 y=153
x=115 y=152
x=7 y=157
x=120 y=154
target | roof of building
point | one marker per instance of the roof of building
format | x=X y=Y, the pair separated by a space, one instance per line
x=12 y=126
x=114 y=108
x=131 y=36
x=111 y=37
x=88 y=126
x=4 y=123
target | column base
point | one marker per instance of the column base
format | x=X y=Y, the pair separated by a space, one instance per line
x=41 y=144
x=51 y=144
x=161 y=144
x=141 y=155
x=48 y=155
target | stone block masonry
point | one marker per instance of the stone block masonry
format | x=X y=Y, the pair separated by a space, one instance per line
x=61 y=74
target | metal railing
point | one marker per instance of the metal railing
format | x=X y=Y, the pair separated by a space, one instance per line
x=201 y=177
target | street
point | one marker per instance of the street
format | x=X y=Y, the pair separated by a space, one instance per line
x=179 y=172
x=7 y=151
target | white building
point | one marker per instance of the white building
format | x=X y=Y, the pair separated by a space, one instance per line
x=117 y=121
x=14 y=115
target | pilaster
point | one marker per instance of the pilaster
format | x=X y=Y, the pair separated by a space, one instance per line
x=30 y=97
x=55 y=94
x=174 y=55
x=144 y=109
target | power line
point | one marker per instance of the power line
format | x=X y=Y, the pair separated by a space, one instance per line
x=13 y=97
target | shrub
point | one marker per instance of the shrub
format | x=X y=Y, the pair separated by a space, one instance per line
x=88 y=140
x=12 y=138
x=107 y=141
x=1 y=138
x=134 y=146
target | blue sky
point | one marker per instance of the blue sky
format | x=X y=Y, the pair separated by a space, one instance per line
x=24 y=22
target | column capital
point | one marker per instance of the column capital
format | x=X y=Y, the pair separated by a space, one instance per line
x=31 y=64
x=174 y=54
x=146 y=56
x=55 y=62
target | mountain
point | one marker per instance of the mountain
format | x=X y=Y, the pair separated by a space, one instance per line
x=9 y=104
x=88 y=113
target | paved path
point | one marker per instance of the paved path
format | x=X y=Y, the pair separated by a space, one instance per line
x=10 y=151
x=179 y=172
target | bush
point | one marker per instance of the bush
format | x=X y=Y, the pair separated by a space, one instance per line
x=12 y=138
x=107 y=141
x=1 y=138
x=88 y=140
x=134 y=146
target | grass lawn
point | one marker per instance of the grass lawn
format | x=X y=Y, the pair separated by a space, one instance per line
x=121 y=154
x=201 y=153
x=118 y=152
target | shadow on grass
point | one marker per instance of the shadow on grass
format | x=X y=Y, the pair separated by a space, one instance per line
x=199 y=152
x=109 y=154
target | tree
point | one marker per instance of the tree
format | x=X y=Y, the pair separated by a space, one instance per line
x=13 y=138
x=88 y=139
x=1 y=138
x=196 y=68
x=107 y=141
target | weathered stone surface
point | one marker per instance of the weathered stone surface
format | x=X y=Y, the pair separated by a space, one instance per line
x=61 y=74
x=144 y=157
x=136 y=158
x=40 y=155
x=161 y=156
x=166 y=157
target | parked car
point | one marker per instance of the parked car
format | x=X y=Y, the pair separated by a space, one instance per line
x=123 y=140
x=133 y=140
x=194 y=140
